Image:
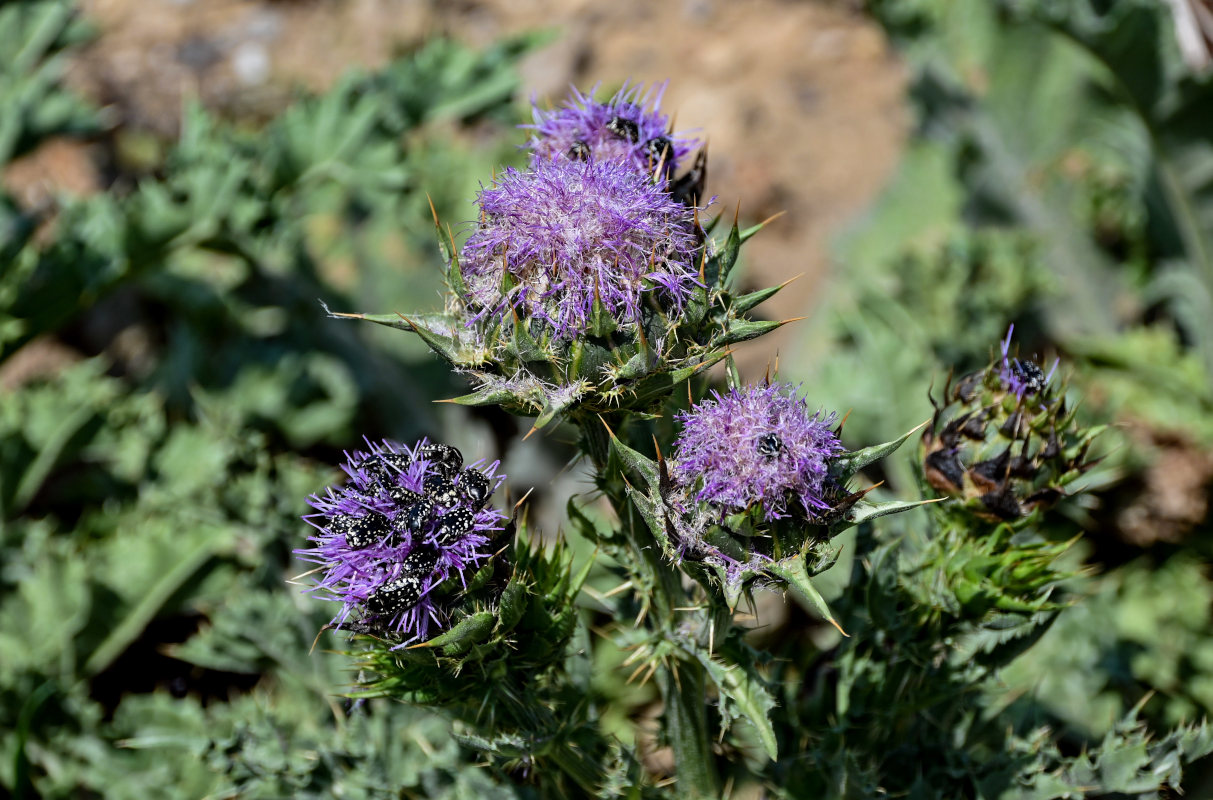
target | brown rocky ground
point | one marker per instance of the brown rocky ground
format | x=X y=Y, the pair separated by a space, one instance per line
x=801 y=101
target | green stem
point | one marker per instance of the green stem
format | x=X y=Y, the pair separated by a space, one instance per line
x=686 y=719
x=577 y=764
x=686 y=724
x=597 y=441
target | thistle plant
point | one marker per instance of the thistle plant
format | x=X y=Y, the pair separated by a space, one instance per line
x=591 y=293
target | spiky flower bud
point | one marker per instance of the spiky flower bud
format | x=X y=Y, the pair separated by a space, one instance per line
x=407 y=521
x=1003 y=440
x=554 y=240
x=629 y=128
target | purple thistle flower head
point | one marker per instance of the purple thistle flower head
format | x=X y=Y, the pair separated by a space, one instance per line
x=567 y=232
x=406 y=521
x=1022 y=377
x=629 y=127
x=756 y=444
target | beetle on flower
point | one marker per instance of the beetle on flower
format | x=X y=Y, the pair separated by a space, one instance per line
x=406 y=521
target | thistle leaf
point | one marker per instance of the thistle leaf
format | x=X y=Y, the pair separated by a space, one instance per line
x=635 y=367
x=549 y=412
x=793 y=571
x=444 y=346
x=484 y=396
x=472 y=629
x=602 y=324
x=454 y=275
x=646 y=467
x=512 y=605
x=719 y=266
x=846 y=465
x=433 y=322
x=745 y=302
x=522 y=344
x=742 y=688
x=863 y=511
x=742 y=330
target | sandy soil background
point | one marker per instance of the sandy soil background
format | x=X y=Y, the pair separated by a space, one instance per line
x=800 y=101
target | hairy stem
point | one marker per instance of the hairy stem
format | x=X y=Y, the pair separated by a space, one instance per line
x=686 y=724
x=583 y=770
x=683 y=691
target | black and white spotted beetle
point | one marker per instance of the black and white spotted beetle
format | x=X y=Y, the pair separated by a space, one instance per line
x=451 y=493
x=361 y=531
x=659 y=151
x=395 y=597
x=769 y=445
x=421 y=560
x=440 y=489
x=624 y=128
x=443 y=458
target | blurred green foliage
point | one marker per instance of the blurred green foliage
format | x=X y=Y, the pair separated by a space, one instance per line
x=1058 y=179
x=151 y=483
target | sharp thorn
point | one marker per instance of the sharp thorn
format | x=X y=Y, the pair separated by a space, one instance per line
x=649 y=674
x=773 y=217
x=871 y=488
x=522 y=499
x=433 y=211
x=608 y=427
x=623 y=587
x=319 y=633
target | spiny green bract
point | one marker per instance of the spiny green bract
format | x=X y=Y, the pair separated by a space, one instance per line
x=511 y=624
x=1001 y=572
x=521 y=366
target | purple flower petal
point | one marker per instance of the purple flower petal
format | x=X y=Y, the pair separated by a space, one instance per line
x=1022 y=377
x=567 y=232
x=628 y=128
x=757 y=444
